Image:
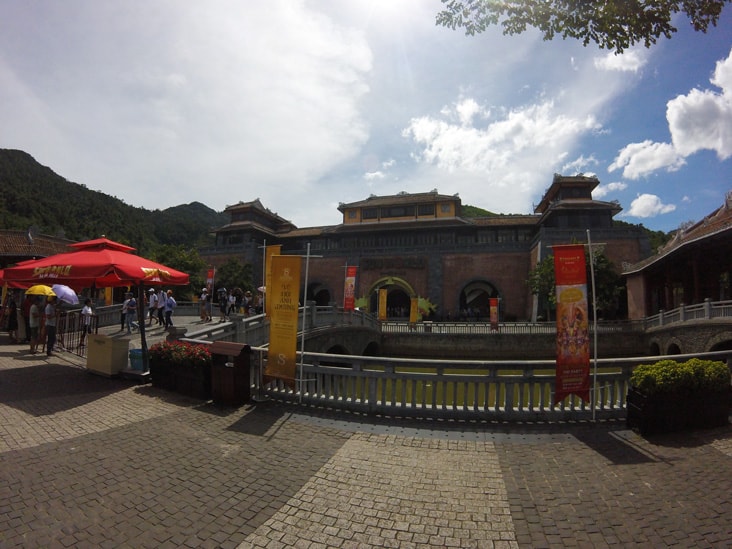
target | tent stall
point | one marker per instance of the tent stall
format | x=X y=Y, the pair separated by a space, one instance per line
x=98 y=263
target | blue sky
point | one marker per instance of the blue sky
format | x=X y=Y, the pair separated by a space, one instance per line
x=305 y=104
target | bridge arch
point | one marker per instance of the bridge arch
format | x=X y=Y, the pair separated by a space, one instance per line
x=720 y=342
x=398 y=296
x=475 y=296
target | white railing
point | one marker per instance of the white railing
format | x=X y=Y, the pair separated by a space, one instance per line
x=700 y=311
x=458 y=389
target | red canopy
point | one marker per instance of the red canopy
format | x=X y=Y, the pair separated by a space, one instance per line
x=100 y=262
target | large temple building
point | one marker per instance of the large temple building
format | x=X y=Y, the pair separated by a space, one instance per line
x=420 y=245
x=695 y=266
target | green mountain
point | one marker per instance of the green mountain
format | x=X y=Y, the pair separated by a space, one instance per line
x=32 y=195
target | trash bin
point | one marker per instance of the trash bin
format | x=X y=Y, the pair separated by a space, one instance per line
x=136 y=361
x=105 y=355
x=230 y=380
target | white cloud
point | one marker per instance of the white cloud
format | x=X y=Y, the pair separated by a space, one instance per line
x=579 y=165
x=603 y=190
x=648 y=205
x=700 y=120
x=370 y=176
x=629 y=61
x=639 y=159
x=703 y=118
x=534 y=129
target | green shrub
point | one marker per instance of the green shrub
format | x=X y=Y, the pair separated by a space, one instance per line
x=669 y=376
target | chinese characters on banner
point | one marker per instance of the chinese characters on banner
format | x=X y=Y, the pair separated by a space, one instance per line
x=349 y=289
x=382 y=304
x=283 y=292
x=493 y=308
x=269 y=251
x=573 y=338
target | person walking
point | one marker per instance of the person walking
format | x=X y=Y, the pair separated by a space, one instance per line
x=169 y=307
x=86 y=321
x=131 y=313
x=205 y=301
x=50 y=316
x=25 y=309
x=152 y=305
x=34 y=320
x=123 y=317
x=162 y=298
x=11 y=311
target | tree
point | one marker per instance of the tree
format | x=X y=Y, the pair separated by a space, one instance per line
x=612 y=24
x=234 y=274
x=541 y=284
x=182 y=259
x=608 y=284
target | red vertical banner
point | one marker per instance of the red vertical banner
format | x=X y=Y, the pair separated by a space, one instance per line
x=210 y=275
x=573 y=335
x=349 y=289
x=382 y=304
x=493 y=307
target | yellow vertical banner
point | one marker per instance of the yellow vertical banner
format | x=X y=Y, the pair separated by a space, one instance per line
x=413 y=309
x=382 y=304
x=268 y=253
x=108 y=296
x=283 y=291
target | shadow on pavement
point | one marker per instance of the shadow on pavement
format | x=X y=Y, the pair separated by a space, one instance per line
x=259 y=420
x=60 y=388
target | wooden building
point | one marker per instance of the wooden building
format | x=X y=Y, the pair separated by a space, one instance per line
x=420 y=245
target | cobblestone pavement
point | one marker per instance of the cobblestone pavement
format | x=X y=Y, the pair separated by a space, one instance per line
x=87 y=461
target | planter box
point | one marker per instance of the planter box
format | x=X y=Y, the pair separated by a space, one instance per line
x=193 y=381
x=669 y=412
x=162 y=375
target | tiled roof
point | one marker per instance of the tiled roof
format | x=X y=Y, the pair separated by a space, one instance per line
x=401 y=198
x=716 y=223
x=16 y=244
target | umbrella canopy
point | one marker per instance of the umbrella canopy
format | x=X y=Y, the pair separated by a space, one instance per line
x=100 y=262
x=40 y=289
x=64 y=293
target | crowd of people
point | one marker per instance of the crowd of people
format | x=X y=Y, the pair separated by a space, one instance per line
x=35 y=319
x=229 y=302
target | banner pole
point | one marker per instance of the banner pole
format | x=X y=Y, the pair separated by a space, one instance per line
x=304 y=319
x=594 y=324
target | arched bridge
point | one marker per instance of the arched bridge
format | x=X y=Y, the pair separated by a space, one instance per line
x=693 y=329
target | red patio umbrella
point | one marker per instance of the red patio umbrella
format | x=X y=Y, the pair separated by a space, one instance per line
x=100 y=262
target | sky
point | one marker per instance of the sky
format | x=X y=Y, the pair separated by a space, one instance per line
x=305 y=104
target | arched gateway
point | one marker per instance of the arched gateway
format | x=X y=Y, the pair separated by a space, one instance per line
x=398 y=296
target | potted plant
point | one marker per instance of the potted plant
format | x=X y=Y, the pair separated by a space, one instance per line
x=181 y=367
x=673 y=396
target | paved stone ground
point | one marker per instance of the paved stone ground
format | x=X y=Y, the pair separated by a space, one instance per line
x=87 y=461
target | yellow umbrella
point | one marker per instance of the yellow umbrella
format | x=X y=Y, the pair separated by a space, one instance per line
x=40 y=289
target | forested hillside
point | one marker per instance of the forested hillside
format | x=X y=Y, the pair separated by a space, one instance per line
x=32 y=195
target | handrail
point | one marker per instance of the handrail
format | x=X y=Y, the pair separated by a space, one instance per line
x=458 y=389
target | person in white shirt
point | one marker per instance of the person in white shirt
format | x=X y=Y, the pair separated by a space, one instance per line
x=86 y=321
x=152 y=305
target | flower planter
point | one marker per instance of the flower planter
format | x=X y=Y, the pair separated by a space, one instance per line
x=193 y=381
x=184 y=368
x=670 y=412
x=162 y=375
